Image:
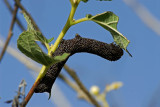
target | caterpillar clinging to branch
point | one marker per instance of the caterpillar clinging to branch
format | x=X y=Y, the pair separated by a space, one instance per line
x=78 y=44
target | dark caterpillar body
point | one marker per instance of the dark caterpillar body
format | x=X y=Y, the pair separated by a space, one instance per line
x=78 y=44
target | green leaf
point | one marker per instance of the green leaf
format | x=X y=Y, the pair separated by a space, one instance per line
x=30 y=26
x=61 y=58
x=50 y=40
x=109 y=21
x=27 y=45
x=39 y=37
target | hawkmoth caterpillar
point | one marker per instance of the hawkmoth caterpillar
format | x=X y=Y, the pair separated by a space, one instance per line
x=78 y=44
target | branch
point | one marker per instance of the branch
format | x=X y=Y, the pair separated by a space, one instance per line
x=11 y=11
x=10 y=31
x=82 y=87
x=75 y=87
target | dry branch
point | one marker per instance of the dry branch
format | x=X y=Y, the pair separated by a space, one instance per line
x=10 y=31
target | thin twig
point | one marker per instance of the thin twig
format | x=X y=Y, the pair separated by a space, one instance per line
x=11 y=11
x=31 y=92
x=10 y=31
x=82 y=87
x=75 y=87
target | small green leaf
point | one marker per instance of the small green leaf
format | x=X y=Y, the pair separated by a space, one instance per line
x=30 y=26
x=27 y=45
x=39 y=37
x=50 y=40
x=60 y=58
x=109 y=21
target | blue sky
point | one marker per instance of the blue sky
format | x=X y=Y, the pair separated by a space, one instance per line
x=139 y=74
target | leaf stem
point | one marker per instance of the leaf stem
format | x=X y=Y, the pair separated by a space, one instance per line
x=64 y=30
x=60 y=37
x=47 y=46
x=102 y=98
x=42 y=72
x=79 y=20
x=40 y=76
x=71 y=1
